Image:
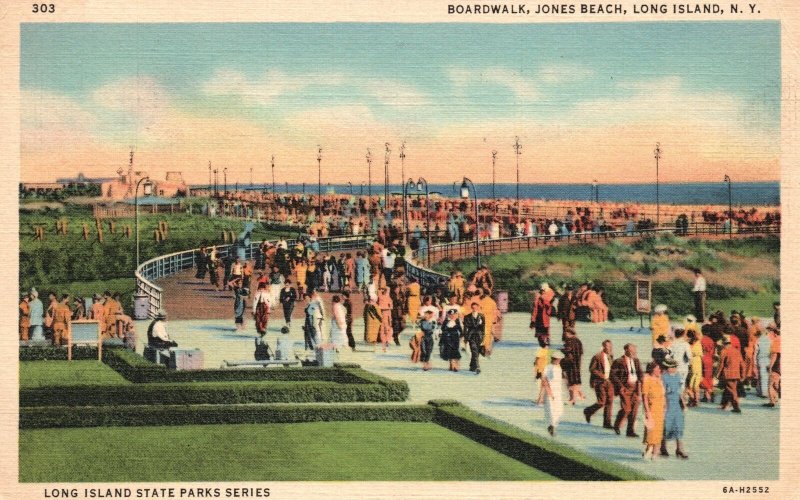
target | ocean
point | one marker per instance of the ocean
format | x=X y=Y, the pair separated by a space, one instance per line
x=698 y=193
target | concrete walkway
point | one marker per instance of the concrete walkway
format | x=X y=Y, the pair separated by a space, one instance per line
x=721 y=445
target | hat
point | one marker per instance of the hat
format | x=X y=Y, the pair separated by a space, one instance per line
x=660 y=308
x=669 y=362
x=690 y=318
x=161 y=314
x=452 y=310
x=557 y=355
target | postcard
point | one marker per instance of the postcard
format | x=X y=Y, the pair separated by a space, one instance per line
x=398 y=249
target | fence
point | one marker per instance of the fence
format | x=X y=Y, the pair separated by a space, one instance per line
x=166 y=265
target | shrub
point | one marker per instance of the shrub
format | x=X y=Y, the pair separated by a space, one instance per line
x=212 y=393
x=135 y=415
x=553 y=458
x=136 y=369
x=43 y=353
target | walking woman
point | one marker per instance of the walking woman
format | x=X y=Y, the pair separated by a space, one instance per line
x=653 y=402
x=427 y=325
x=571 y=365
x=450 y=342
x=551 y=384
x=261 y=308
x=675 y=406
x=239 y=301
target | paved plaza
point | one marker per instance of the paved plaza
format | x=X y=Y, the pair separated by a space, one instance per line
x=721 y=445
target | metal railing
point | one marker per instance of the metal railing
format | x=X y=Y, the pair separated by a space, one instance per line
x=167 y=265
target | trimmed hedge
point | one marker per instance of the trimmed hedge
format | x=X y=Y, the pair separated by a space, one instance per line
x=212 y=393
x=57 y=353
x=547 y=456
x=134 y=415
x=136 y=369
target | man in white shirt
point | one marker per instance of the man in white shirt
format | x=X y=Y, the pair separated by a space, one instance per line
x=600 y=381
x=388 y=258
x=699 y=291
x=157 y=335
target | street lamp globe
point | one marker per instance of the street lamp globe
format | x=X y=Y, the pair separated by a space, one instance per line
x=419 y=185
x=464 y=190
x=147 y=188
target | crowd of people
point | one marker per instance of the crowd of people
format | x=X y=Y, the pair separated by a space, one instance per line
x=451 y=219
x=739 y=355
x=51 y=324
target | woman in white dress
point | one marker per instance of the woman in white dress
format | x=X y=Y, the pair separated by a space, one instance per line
x=551 y=383
x=338 y=323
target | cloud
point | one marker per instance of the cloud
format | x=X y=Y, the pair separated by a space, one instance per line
x=464 y=80
x=395 y=94
x=562 y=73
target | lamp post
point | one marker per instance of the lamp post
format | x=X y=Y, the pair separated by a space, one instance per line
x=730 y=207
x=657 y=155
x=273 y=175
x=148 y=190
x=319 y=179
x=225 y=178
x=209 y=176
x=369 y=186
x=494 y=196
x=422 y=182
x=216 y=189
x=350 y=184
x=465 y=196
x=596 y=190
x=386 y=176
x=517 y=151
x=405 y=208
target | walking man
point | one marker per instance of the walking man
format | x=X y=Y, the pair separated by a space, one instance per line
x=287 y=297
x=626 y=376
x=699 y=291
x=474 y=331
x=600 y=381
x=730 y=370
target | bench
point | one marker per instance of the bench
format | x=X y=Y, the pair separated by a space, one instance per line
x=263 y=363
x=155 y=355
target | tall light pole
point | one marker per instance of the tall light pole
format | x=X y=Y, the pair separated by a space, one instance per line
x=369 y=187
x=148 y=189
x=209 y=176
x=730 y=207
x=494 y=196
x=517 y=151
x=216 y=178
x=351 y=187
x=386 y=176
x=319 y=180
x=422 y=182
x=225 y=177
x=465 y=196
x=251 y=177
x=596 y=189
x=405 y=208
x=273 y=176
x=657 y=155
x=402 y=160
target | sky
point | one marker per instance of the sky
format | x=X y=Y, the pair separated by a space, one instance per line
x=587 y=100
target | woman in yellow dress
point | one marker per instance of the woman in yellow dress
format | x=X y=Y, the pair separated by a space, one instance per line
x=654 y=405
x=659 y=325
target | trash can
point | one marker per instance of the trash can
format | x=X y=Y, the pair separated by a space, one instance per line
x=141 y=306
x=326 y=356
x=501 y=297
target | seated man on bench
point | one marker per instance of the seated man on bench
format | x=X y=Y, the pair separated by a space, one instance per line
x=157 y=336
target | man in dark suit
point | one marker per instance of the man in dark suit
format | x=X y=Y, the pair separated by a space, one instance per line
x=567 y=306
x=474 y=329
x=626 y=376
x=600 y=381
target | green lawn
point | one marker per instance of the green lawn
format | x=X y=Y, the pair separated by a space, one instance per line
x=33 y=374
x=753 y=305
x=319 y=451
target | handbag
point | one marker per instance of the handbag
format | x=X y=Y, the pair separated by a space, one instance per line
x=48 y=321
